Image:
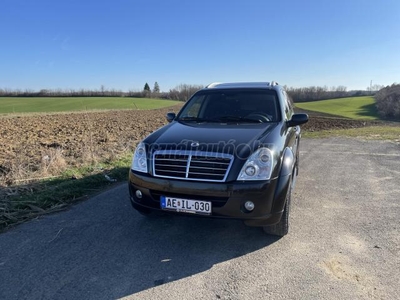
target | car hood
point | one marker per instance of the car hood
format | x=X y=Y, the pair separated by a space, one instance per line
x=210 y=137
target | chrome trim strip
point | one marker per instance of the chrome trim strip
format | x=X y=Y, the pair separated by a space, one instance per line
x=188 y=166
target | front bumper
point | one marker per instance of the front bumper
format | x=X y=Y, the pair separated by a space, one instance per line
x=227 y=198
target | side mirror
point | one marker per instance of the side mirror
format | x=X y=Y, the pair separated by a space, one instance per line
x=297 y=119
x=170 y=116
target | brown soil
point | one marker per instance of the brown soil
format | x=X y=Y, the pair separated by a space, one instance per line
x=40 y=145
x=317 y=123
x=320 y=121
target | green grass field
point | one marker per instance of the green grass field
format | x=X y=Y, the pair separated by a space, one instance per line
x=50 y=104
x=361 y=108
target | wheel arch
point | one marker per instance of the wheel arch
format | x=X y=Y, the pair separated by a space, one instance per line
x=284 y=181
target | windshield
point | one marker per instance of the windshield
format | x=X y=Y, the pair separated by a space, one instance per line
x=238 y=106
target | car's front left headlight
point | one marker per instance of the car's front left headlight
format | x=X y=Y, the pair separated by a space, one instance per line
x=258 y=166
x=139 y=160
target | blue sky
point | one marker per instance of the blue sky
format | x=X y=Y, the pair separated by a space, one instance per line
x=123 y=44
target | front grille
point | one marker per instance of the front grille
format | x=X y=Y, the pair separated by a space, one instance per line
x=166 y=166
x=202 y=166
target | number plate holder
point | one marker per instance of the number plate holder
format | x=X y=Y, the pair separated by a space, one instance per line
x=186 y=205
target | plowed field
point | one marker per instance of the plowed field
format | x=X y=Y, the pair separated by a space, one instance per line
x=40 y=145
x=317 y=123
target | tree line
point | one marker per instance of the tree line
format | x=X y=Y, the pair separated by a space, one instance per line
x=183 y=92
x=315 y=93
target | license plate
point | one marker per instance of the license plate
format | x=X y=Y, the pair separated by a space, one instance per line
x=186 y=205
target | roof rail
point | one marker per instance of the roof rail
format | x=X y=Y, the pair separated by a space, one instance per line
x=211 y=85
x=274 y=83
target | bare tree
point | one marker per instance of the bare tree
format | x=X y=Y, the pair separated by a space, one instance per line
x=388 y=102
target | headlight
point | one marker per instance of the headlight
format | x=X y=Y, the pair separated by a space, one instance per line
x=139 y=160
x=258 y=166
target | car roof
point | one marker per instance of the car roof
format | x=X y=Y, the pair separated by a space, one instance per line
x=233 y=85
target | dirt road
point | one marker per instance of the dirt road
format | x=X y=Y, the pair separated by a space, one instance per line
x=344 y=242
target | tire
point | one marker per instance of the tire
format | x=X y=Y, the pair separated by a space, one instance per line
x=281 y=228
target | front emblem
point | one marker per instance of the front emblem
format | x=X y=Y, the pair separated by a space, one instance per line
x=195 y=144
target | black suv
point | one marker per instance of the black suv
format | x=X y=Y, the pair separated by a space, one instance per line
x=231 y=152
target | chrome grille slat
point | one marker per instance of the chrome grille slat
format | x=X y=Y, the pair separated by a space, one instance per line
x=205 y=168
x=173 y=171
x=210 y=163
x=192 y=165
x=176 y=160
x=205 y=174
x=183 y=173
x=172 y=166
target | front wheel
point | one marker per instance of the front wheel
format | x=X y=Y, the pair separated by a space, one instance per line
x=281 y=228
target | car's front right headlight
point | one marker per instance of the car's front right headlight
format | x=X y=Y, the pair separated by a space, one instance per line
x=139 y=160
x=258 y=166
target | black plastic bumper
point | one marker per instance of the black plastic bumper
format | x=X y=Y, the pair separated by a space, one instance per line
x=227 y=198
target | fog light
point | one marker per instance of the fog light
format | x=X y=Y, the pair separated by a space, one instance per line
x=138 y=194
x=249 y=205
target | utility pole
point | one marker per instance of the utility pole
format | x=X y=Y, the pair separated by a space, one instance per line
x=370 y=87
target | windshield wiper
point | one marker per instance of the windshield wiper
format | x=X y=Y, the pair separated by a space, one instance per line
x=188 y=119
x=238 y=119
x=192 y=119
x=195 y=119
x=219 y=119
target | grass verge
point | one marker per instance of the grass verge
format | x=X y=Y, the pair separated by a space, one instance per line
x=391 y=133
x=24 y=202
